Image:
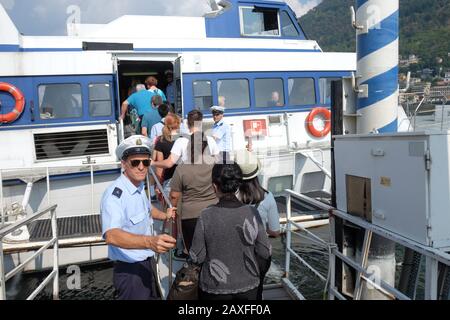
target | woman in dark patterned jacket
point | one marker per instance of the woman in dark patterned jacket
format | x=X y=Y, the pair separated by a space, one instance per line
x=229 y=240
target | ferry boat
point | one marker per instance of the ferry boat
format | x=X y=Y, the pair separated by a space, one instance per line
x=61 y=101
x=61 y=98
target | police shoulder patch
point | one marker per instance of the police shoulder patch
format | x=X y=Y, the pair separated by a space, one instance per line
x=117 y=192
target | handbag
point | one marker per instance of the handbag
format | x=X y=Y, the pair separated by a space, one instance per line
x=185 y=286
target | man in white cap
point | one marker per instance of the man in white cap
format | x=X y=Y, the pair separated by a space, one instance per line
x=127 y=224
x=221 y=132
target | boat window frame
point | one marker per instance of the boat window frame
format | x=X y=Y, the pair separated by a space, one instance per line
x=280 y=12
x=314 y=93
x=241 y=23
x=282 y=90
x=249 y=83
x=319 y=88
x=79 y=84
x=211 y=92
x=100 y=100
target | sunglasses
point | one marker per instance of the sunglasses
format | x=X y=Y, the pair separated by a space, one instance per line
x=217 y=113
x=136 y=163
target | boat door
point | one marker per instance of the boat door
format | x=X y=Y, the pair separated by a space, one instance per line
x=131 y=69
x=177 y=74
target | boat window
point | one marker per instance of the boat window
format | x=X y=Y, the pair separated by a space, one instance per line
x=325 y=89
x=269 y=93
x=203 y=99
x=301 y=91
x=100 y=104
x=57 y=101
x=233 y=94
x=287 y=26
x=257 y=21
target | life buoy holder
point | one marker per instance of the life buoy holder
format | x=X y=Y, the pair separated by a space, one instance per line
x=326 y=114
x=19 y=106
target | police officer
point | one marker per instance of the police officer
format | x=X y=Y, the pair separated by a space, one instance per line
x=221 y=132
x=170 y=89
x=127 y=223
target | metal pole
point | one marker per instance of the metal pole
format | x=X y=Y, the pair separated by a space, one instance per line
x=377 y=101
x=288 y=234
x=431 y=279
x=2 y=273
x=332 y=261
x=1 y=199
x=55 y=255
x=48 y=187
x=92 y=189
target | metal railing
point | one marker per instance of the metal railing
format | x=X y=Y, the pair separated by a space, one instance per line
x=169 y=205
x=41 y=173
x=54 y=275
x=294 y=228
x=423 y=99
x=432 y=257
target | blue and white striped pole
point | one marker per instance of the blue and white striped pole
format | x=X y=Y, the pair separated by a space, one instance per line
x=377 y=68
x=377 y=103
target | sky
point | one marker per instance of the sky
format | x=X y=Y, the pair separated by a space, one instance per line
x=49 y=17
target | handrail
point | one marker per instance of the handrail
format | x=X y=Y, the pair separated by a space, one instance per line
x=312 y=237
x=169 y=205
x=44 y=172
x=52 y=242
x=433 y=257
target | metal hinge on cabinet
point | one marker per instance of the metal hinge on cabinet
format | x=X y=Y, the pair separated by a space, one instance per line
x=428 y=160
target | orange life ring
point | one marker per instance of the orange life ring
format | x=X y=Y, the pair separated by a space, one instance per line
x=20 y=103
x=326 y=114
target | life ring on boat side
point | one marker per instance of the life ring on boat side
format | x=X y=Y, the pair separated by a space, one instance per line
x=19 y=106
x=326 y=114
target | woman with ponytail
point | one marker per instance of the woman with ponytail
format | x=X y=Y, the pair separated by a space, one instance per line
x=163 y=147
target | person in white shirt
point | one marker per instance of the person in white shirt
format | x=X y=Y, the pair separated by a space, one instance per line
x=179 y=152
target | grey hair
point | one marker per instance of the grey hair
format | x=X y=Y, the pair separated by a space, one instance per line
x=140 y=87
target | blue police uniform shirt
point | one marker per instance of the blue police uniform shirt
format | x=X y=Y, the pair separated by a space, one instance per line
x=125 y=206
x=222 y=133
x=170 y=92
x=141 y=101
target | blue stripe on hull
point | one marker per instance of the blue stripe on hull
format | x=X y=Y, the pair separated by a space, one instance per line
x=360 y=3
x=380 y=87
x=378 y=38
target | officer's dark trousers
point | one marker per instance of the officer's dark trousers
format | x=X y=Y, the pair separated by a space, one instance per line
x=135 y=281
